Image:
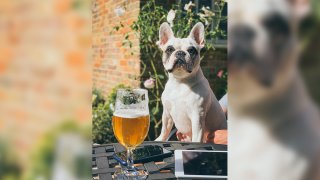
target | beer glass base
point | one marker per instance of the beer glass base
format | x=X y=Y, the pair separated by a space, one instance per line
x=130 y=175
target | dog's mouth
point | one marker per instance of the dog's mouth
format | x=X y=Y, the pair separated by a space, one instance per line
x=180 y=64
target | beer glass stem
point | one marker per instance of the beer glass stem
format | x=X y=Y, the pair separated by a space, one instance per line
x=130 y=159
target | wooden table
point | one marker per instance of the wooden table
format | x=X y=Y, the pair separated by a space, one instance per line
x=103 y=164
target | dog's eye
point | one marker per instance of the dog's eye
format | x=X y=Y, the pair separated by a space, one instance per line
x=276 y=25
x=192 y=51
x=170 y=49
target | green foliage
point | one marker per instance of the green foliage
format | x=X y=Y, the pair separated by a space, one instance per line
x=97 y=98
x=146 y=27
x=309 y=60
x=315 y=4
x=102 y=112
x=44 y=156
x=9 y=169
x=219 y=79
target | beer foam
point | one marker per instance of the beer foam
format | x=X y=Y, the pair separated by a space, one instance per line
x=129 y=113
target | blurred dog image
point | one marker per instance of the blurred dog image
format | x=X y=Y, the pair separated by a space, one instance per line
x=274 y=126
x=187 y=98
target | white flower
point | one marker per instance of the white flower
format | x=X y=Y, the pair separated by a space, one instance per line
x=206 y=22
x=203 y=18
x=188 y=6
x=207 y=12
x=119 y=11
x=111 y=106
x=149 y=83
x=170 y=17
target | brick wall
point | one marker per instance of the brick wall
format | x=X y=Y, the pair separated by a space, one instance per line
x=45 y=72
x=114 y=64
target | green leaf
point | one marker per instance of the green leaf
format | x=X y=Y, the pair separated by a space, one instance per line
x=160 y=76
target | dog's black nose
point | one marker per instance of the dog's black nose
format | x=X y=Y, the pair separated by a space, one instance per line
x=180 y=62
x=180 y=54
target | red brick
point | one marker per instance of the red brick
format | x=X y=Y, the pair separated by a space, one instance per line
x=117 y=61
x=75 y=59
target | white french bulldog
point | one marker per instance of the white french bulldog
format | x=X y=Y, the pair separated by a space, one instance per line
x=187 y=98
x=274 y=127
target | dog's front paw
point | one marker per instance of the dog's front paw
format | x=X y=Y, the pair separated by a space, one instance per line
x=158 y=139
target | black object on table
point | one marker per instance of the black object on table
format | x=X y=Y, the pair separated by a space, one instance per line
x=103 y=164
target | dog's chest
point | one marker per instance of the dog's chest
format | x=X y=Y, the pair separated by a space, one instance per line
x=179 y=104
x=256 y=154
x=180 y=117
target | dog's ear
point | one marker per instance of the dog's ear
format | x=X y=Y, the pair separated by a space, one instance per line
x=300 y=8
x=197 y=34
x=165 y=33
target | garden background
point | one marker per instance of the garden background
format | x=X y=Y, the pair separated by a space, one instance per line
x=126 y=54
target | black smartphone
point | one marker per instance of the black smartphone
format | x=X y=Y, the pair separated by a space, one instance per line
x=146 y=154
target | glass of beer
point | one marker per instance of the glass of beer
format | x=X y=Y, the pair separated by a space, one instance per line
x=131 y=123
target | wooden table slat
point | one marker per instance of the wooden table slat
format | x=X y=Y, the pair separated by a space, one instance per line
x=105 y=176
x=102 y=162
x=103 y=154
x=99 y=150
x=161 y=176
x=177 y=146
x=104 y=170
x=118 y=148
x=151 y=167
x=166 y=165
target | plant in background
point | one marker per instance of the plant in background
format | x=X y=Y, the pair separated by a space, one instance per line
x=149 y=83
x=102 y=113
x=222 y=79
x=44 y=155
x=97 y=98
x=181 y=17
x=9 y=168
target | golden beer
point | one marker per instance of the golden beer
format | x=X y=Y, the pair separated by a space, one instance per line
x=130 y=129
x=130 y=124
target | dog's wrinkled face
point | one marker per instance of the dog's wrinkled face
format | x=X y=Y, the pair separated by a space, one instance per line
x=181 y=57
x=262 y=44
x=261 y=37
